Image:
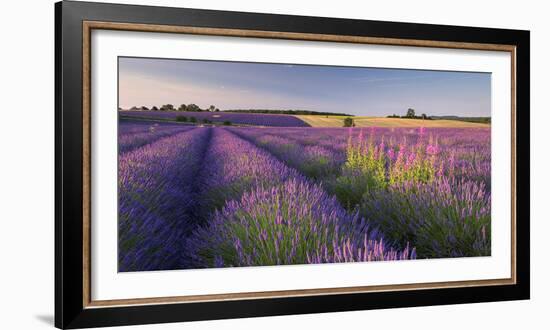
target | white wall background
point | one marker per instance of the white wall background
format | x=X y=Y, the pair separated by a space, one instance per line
x=27 y=168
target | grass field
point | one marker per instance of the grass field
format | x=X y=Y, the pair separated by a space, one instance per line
x=361 y=121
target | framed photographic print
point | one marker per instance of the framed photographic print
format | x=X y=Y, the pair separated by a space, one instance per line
x=214 y=164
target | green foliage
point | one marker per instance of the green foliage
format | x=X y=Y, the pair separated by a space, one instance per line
x=437 y=220
x=368 y=168
x=290 y=112
x=364 y=170
x=483 y=120
x=181 y=118
x=411 y=114
x=182 y=107
x=227 y=123
x=193 y=119
x=349 y=189
x=414 y=166
x=348 y=122
x=317 y=167
x=368 y=162
x=167 y=107
x=193 y=107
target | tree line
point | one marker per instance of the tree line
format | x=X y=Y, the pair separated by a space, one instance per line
x=411 y=114
x=192 y=107
x=289 y=112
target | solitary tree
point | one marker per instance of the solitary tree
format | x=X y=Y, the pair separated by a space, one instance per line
x=217 y=110
x=424 y=116
x=348 y=122
x=182 y=107
x=411 y=113
x=211 y=108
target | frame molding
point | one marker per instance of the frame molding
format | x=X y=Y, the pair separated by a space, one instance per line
x=74 y=307
x=89 y=26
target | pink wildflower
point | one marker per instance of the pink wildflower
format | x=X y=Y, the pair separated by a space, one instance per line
x=432 y=149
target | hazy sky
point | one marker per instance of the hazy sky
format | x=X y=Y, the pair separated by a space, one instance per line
x=358 y=91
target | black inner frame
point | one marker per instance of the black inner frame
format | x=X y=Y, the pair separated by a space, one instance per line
x=69 y=307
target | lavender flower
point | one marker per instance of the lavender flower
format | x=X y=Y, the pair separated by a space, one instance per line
x=306 y=226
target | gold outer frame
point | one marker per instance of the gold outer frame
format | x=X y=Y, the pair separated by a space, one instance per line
x=88 y=26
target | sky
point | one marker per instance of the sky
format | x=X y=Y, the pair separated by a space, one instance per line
x=353 y=90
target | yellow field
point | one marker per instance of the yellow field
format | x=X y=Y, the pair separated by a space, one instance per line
x=362 y=121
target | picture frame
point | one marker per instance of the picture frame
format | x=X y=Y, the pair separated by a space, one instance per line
x=74 y=304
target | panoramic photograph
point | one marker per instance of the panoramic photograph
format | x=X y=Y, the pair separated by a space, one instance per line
x=237 y=164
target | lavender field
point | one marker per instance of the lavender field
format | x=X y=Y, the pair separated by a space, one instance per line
x=215 y=196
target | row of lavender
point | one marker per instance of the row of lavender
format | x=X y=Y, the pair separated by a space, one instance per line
x=133 y=134
x=426 y=188
x=273 y=215
x=243 y=205
x=155 y=197
x=255 y=119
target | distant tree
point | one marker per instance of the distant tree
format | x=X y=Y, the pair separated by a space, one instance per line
x=193 y=107
x=119 y=108
x=410 y=113
x=134 y=108
x=193 y=119
x=227 y=123
x=217 y=110
x=143 y=108
x=182 y=107
x=348 y=122
x=167 y=107
x=181 y=118
x=154 y=108
x=424 y=116
x=211 y=108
